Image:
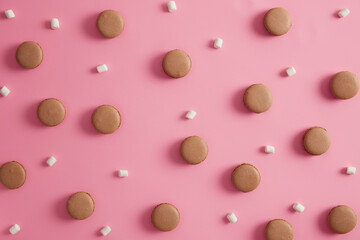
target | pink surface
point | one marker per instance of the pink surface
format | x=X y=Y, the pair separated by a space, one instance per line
x=153 y=108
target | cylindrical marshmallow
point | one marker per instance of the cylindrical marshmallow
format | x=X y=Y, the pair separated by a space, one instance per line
x=232 y=217
x=14 y=229
x=171 y=6
x=269 y=149
x=290 y=71
x=344 y=12
x=102 y=68
x=4 y=91
x=351 y=170
x=218 y=43
x=55 y=23
x=190 y=114
x=9 y=13
x=106 y=230
x=123 y=173
x=51 y=161
x=298 y=207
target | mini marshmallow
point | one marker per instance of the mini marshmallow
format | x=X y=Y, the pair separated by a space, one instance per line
x=4 y=91
x=343 y=13
x=298 y=207
x=106 y=230
x=9 y=13
x=232 y=217
x=55 y=23
x=269 y=149
x=218 y=43
x=123 y=173
x=351 y=170
x=190 y=114
x=14 y=229
x=51 y=161
x=290 y=71
x=172 y=6
x=102 y=68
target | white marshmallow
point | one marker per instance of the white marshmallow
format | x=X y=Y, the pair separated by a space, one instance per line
x=351 y=170
x=232 y=217
x=218 y=43
x=298 y=207
x=106 y=230
x=4 y=91
x=343 y=13
x=123 y=173
x=290 y=71
x=102 y=68
x=172 y=6
x=9 y=13
x=55 y=23
x=190 y=114
x=51 y=161
x=14 y=229
x=269 y=149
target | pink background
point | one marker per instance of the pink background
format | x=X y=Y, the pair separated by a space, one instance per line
x=153 y=108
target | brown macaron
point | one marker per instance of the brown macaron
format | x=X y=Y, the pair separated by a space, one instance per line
x=194 y=150
x=29 y=55
x=344 y=85
x=51 y=112
x=258 y=98
x=279 y=229
x=277 y=21
x=80 y=205
x=342 y=219
x=110 y=24
x=12 y=175
x=176 y=63
x=316 y=141
x=165 y=217
x=245 y=177
x=106 y=119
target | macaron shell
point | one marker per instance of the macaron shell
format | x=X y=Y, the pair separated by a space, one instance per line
x=51 y=112
x=279 y=229
x=245 y=177
x=12 y=175
x=80 y=205
x=342 y=219
x=29 y=55
x=165 y=217
x=258 y=98
x=176 y=63
x=194 y=150
x=277 y=21
x=106 y=119
x=316 y=141
x=344 y=85
x=110 y=24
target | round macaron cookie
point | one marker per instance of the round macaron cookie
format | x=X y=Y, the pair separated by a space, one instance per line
x=344 y=85
x=194 y=150
x=165 y=217
x=106 y=119
x=258 y=98
x=342 y=219
x=279 y=229
x=316 y=141
x=29 y=55
x=245 y=177
x=51 y=112
x=12 y=175
x=80 y=205
x=110 y=24
x=277 y=21
x=176 y=63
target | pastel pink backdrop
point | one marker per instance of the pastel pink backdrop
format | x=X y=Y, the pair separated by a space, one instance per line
x=153 y=108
